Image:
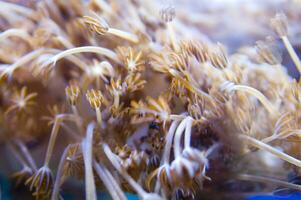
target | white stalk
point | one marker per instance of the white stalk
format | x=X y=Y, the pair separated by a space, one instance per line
x=53 y=135
x=269 y=139
x=88 y=158
x=113 y=188
x=265 y=102
x=85 y=49
x=115 y=184
x=282 y=136
x=54 y=132
x=172 y=36
x=17 y=155
x=168 y=142
x=177 y=138
x=292 y=52
x=22 y=61
x=45 y=62
x=59 y=175
x=176 y=117
x=66 y=43
x=268 y=180
x=123 y=34
x=98 y=117
x=27 y=154
x=229 y=86
x=280 y=123
x=260 y=145
x=115 y=162
x=166 y=152
x=14 y=32
x=187 y=136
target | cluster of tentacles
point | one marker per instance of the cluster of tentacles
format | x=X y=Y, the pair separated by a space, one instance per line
x=138 y=107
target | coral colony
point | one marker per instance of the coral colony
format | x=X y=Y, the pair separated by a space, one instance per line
x=141 y=109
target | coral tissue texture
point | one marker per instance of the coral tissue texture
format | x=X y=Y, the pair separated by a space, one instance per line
x=138 y=96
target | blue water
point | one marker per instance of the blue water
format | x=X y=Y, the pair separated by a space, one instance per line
x=272 y=197
x=5 y=192
x=5 y=195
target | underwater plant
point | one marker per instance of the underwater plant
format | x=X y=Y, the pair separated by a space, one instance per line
x=122 y=96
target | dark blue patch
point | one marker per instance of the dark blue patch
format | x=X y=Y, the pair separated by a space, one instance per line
x=4 y=188
x=296 y=196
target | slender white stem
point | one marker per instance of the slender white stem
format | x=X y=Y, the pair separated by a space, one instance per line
x=27 y=154
x=168 y=142
x=59 y=175
x=268 y=180
x=166 y=152
x=282 y=136
x=256 y=143
x=98 y=117
x=112 y=157
x=22 y=61
x=74 y=110
x=187 y=136
x=281 y=122
x=269 y=139
x=172 y=36
x=17 y=155
x=125 y=35
x=265 y=102
x=85 y=49
x=115 y=184
x=14 y=32
x=292 y=52
x=177 y=139
x=54 y=132
x=113 y=188
x=64 y=42
x=46 y=62
x=88 y=158
x=176 y=117
x=290 y=133
x=106 y=181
